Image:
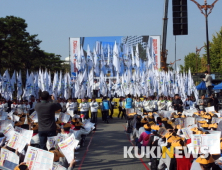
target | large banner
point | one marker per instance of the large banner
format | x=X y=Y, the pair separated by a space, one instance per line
x=102 y=47
x=74 y=51
x=156 y=50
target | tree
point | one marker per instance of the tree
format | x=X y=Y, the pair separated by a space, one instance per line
x=201 y=62
x=216 y=52
x=20 y=51
x=191 y=61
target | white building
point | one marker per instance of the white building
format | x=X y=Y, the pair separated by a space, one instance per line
x=134 y=40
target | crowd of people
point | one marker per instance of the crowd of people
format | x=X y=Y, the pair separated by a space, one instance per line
x=145 y=130
x=142 y=125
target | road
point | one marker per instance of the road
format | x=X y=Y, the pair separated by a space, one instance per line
x=103 y=149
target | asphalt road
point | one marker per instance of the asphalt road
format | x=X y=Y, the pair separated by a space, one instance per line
x=103 y=149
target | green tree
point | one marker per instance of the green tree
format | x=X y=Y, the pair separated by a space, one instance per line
x=20 y=51
x=216 y=52
x=191 y=61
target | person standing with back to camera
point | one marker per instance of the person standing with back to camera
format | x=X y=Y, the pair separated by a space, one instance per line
x=46 y=118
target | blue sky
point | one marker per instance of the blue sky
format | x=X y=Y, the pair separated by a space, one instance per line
x=55 y=21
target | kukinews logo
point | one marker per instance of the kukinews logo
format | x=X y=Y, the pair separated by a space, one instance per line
x=158 y=152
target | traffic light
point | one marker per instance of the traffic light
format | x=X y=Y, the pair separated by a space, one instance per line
x=180 y=20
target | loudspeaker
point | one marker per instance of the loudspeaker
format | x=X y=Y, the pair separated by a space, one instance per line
x=180 y=20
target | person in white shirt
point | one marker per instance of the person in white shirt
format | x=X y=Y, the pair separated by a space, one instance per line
x=26 y=106
x=96 y=87
x=154 y=104
x=70 y=107
x=84 y=108
x=138 y=104
x=169 y=104
x=14 y=106
x=161 y=104
x=147 y=105
x=94 y=109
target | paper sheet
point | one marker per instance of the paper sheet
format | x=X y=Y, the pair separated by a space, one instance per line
x=3 y=115
x=4 y=124
x=4 y=168
x=34 y=116
x=187 y=131
x=89 y=126
x=26 y=133
x=162 y=131
x=67 y=147
x=51 y=141
x=17 y=141
x=38 y=159
x=8 y=132
x=209 y=109
x=57 y=166
x=63 y=117
x=212 y=141
x=60 y=138
x=70 y=112
x=11 y=158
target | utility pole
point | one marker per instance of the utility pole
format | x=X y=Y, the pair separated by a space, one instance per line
x=164 y=36
x=204 y=10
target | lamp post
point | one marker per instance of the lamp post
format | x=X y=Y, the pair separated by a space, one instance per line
x=204 y=10
x=197 y=54
x=175 y=63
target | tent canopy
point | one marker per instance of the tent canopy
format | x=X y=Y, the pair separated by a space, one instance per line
x=202 y=86
x=218 y=87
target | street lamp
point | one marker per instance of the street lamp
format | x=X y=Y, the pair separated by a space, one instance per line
x=197 y=54
x=175 y=63
x=204 y=10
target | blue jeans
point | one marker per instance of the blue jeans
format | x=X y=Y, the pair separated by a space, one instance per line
x=43 y=138
x=85 y=113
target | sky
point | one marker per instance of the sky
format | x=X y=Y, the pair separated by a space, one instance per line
x=55 y=21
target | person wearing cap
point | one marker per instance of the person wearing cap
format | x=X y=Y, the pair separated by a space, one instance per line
x=204 y=163
x=145 y=136
x=208 y=80
x=46 y=118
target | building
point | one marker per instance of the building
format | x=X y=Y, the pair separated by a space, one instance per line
x=134 y=40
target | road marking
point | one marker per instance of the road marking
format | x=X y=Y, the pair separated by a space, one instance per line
x=87 y=149
x=144 y=164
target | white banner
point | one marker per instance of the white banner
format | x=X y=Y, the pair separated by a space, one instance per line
x=74 y=51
